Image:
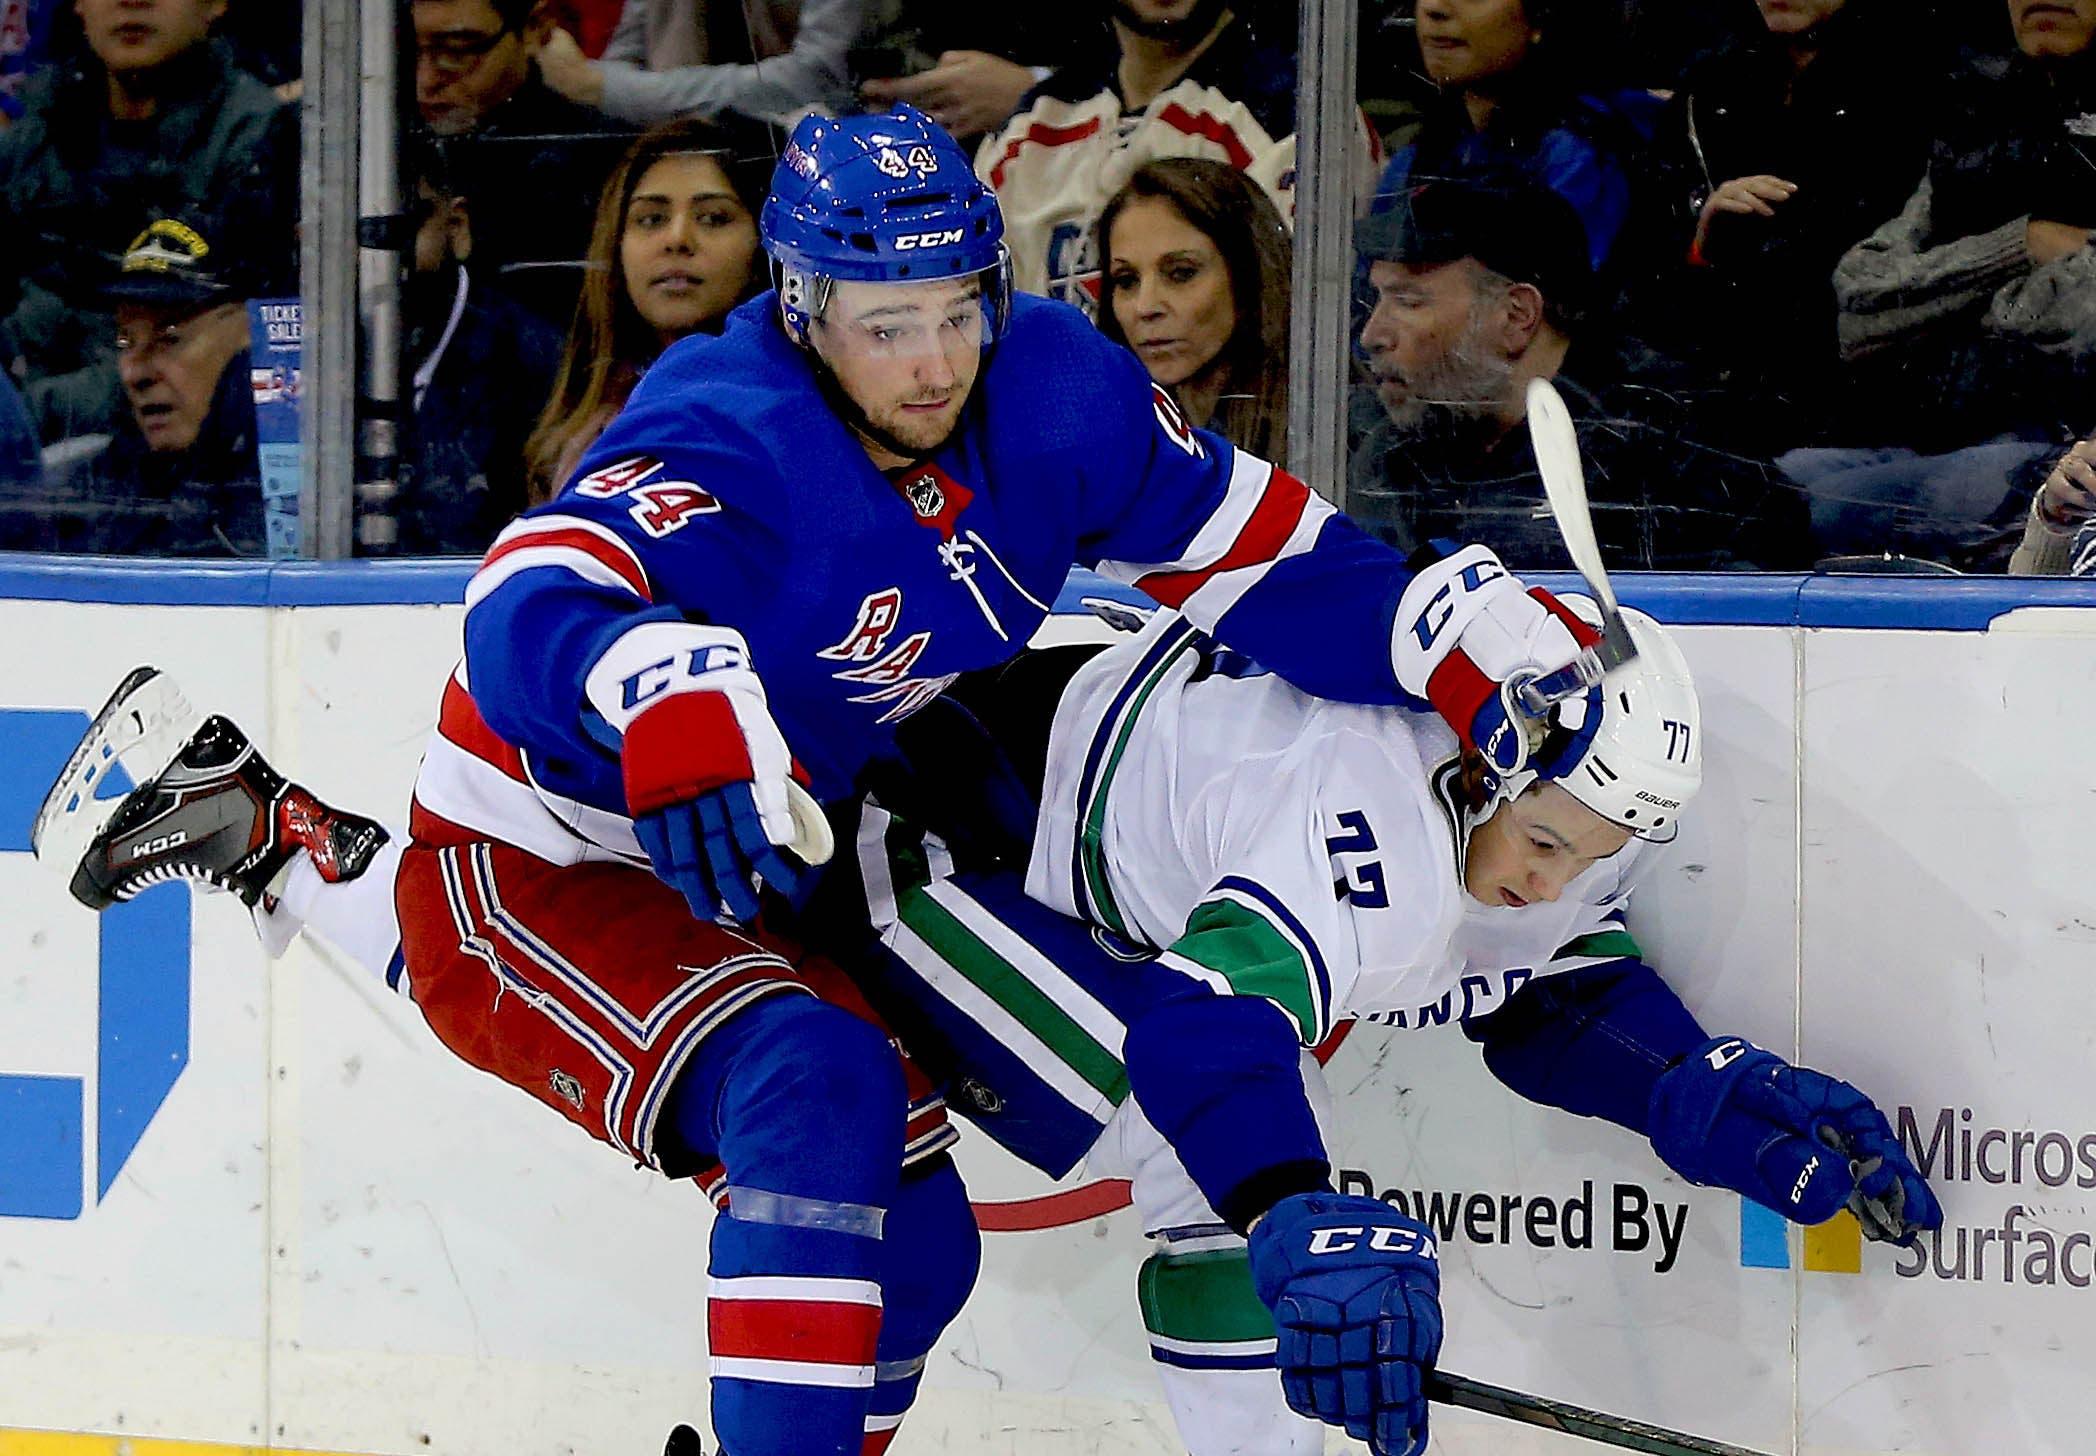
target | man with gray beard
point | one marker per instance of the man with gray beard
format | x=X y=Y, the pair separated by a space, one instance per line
x=1482 y=284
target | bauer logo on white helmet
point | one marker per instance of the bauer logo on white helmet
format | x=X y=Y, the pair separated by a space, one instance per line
x=1646 y=759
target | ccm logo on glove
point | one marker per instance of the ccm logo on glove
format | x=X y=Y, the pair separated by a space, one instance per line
x=1442 y=604
x=1380 y=1241
x=657 y=678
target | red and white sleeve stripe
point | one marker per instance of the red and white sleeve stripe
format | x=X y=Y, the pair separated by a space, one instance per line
x=1266 y=516
x=587 y=549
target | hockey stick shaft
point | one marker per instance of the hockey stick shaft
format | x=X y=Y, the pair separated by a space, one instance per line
x=1572 y=1420
x=1556 y=444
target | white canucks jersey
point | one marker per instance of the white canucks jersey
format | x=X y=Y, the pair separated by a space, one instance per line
x=1270 y=843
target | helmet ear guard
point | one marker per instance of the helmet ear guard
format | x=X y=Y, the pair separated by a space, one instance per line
x=803 y=297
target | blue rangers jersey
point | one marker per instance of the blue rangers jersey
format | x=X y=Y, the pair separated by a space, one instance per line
x=730 y=492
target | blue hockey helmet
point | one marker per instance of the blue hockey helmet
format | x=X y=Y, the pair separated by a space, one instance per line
x=879 y=199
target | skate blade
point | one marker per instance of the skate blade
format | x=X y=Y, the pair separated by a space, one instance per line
x=142 y=728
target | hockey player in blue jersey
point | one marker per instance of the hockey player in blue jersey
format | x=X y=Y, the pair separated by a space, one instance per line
x=798 y=533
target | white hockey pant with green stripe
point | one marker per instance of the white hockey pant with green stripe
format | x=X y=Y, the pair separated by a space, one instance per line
x=1212 y=1339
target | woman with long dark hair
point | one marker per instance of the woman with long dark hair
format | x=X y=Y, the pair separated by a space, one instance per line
x=1194 y=278
x=673 y=250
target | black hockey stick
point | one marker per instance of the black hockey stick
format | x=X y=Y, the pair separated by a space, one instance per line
x=1573 y=1420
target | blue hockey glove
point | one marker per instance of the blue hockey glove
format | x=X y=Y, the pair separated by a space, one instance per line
x=705 y=767
x=1467 y=634
x=1731 y=1115
x=1356 y=1296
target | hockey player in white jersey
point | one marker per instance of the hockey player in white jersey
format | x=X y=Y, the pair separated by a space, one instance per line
x=1256 y=866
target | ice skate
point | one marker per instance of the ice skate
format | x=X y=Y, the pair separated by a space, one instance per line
x=208 y=807
x=684 y=1441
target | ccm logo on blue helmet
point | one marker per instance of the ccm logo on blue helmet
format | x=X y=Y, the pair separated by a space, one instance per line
x=1380 y=1241
x=910 y=241
x=657 y=678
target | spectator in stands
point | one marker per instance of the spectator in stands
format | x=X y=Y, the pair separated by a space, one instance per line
x=179 y=475
x=1968 y=322
x=1526 y=85
x=591 y=22
x=155 y=121
x=675 y=248
x=25 y=28
x=1800 y=141
x=21 y=463
x=771 y=60
x=967 y=65
x=1195 y=281
x=481 y=367
x=1182 y=78
x=1973 y=312
x=532 y=162
x=266 y=37
x=1481 y=289
x=2055 y=535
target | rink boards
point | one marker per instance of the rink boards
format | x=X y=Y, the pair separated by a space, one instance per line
x=250 y=1207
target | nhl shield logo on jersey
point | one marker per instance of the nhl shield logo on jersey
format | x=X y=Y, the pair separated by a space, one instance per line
x=925 y=495
x=567 y=1089
x=936 y=498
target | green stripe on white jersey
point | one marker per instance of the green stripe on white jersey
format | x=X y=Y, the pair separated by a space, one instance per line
x=1230 y=941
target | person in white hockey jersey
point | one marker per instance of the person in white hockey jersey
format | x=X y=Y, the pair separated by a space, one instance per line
x=1243 y=867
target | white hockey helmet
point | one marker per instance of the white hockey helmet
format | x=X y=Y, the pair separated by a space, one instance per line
x=1645 y=760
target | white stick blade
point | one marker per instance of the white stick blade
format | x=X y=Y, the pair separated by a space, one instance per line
x=1556 y=445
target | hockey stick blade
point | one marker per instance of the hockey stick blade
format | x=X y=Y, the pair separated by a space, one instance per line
x=1556 y=445
x=1555 y=1415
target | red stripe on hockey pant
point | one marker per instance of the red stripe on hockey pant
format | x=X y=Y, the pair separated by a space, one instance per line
x=879 y=1441
x=923 y=1122
x=612 y=557
x=682 y=747
x=814 y=1332
x=1273 y=520
x=634 y=943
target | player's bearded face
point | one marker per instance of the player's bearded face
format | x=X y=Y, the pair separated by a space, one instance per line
x=1536 y=845
x=907 y=355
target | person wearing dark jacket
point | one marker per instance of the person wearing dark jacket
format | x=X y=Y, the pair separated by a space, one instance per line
x=530 y=161
x=178 y=477
x=1481 y=289
x=1526 y=85
x=21 y=463
x=481 y=367
x=1798 y=143
x=154 y=121
x=1972 y=313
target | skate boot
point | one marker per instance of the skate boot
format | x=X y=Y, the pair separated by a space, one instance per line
x=208 y=807
x=684 y=1441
